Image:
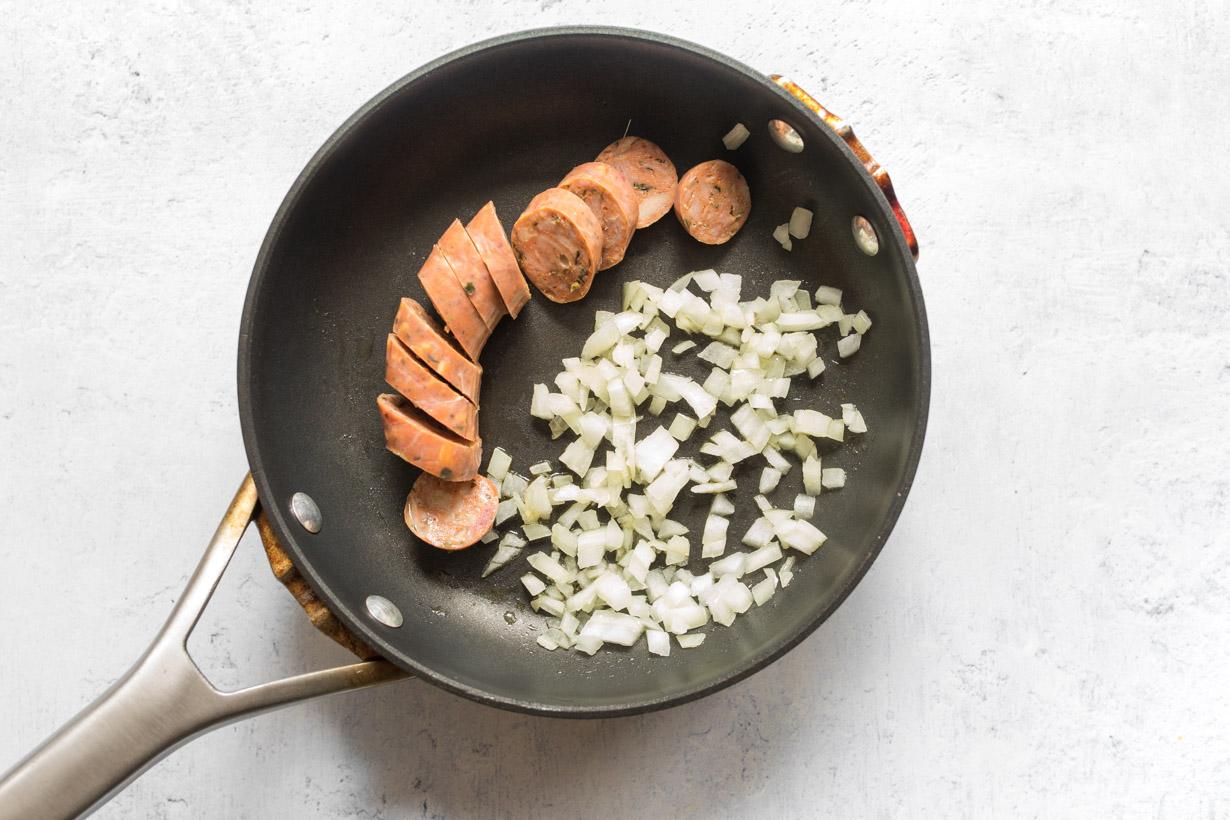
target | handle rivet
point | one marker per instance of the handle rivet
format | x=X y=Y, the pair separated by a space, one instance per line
x=305 y=511
x=384 y=611
x=865 y=236
x=785 y=136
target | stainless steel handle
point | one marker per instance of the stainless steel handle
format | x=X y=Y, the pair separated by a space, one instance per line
x=162 y=702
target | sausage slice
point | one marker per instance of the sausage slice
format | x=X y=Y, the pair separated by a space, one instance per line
x=426 y=340
x=713 y=202
x=471 y=273
x=611 y=197
x=558 y=243
x=492 y=243
x=649 y=171
x=429 y=393
x=452 y=304
x=411 y=435
x=451 y=515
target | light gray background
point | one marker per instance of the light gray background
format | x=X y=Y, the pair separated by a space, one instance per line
x=1046 y=632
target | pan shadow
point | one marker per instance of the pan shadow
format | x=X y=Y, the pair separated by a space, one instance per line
x=418 y=750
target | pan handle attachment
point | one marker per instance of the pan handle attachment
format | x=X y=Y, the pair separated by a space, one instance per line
x=843 y=130
x=162 y=702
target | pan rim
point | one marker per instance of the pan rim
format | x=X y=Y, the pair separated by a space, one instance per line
x=747 y=665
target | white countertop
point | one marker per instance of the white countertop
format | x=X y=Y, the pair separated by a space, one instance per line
x=1046 y=632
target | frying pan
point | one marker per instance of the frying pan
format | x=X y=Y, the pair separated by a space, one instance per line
x=504 y=119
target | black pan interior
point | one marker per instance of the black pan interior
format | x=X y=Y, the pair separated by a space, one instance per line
x=502 y=121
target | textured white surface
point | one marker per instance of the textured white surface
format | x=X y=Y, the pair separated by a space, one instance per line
x=1045 y=634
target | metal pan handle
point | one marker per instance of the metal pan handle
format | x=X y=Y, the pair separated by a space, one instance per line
x=162 y=702
x=843 y=130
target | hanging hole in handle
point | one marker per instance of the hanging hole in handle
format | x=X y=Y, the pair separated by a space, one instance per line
x=786 y=137
x=865 y=235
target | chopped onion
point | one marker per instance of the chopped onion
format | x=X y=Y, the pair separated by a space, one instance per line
x=498 y=464
x=612 y=627
x=713 y=540
x=764 y=590
x=653 y=451
x=659 y=642
x=768 y=479
x=804 y=505
x=682 y=426
x=533 y=584
x=690 y=641
x=848 y=345
x=549 y=567
x=535 y=532
x=721 y=505
x=853 y=419
x=800 y=223
x=833 y=478
x=736 y=136
x=781 y=235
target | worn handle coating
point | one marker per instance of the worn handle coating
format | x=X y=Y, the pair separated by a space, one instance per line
x=843 y=130
x=162 y=702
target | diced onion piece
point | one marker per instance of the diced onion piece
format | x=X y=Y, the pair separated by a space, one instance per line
x=612 y=627
x=713 y=540
x=861 y=322
x=833 y=478
x=663 y=490
x=533 y=584
x=760 y=534
x=800 y=223
x=503 y=554
x=535 y=532
x=781 y=235
x=541 y=468
x=659 y=642
x=498 y=464
x=682 y=427
x=683 y=347
x=591 y=546
x=489 y=536
x=577 y=457
x=505 y=510
x=762 y=558
x=800 y=535
x=549 y=567
x=826 y=295
x=763 y=591
x=804 y=505
x=732 y=564
x=721 y=505
x=613 y=589
x=837 y=430
x=670 y=527
x=690 y=641
x=786 y=571
x=736 y=136
x=652 y=453
x=848 y=345
x=768 y=479
x=810 y=422
x=711 y=487
x=853 y=419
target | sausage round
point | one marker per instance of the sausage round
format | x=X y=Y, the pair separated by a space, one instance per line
x=472 y=274
x=451 y=515
x=406 y=374
x=413 y=436
x=713 y=202
x=613 y=200
x=451 y=302
x=492 y=243
x=558 y=243
x=419 y=332
x=650 y=173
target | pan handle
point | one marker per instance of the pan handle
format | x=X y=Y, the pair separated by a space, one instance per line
x=162 y=702
x=844 y=131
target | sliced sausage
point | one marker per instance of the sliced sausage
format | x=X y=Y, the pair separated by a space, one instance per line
x=558 y=243
x=451 y=302
x=713 y=202
x=419 y=332
x=451 y=515
x=488 y=236
x=649 y=171
x=411 y=435
x=611 y=197
x=471 y=272
x=429 y=393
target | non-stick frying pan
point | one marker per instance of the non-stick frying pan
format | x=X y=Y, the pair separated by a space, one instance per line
x=503 y=120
